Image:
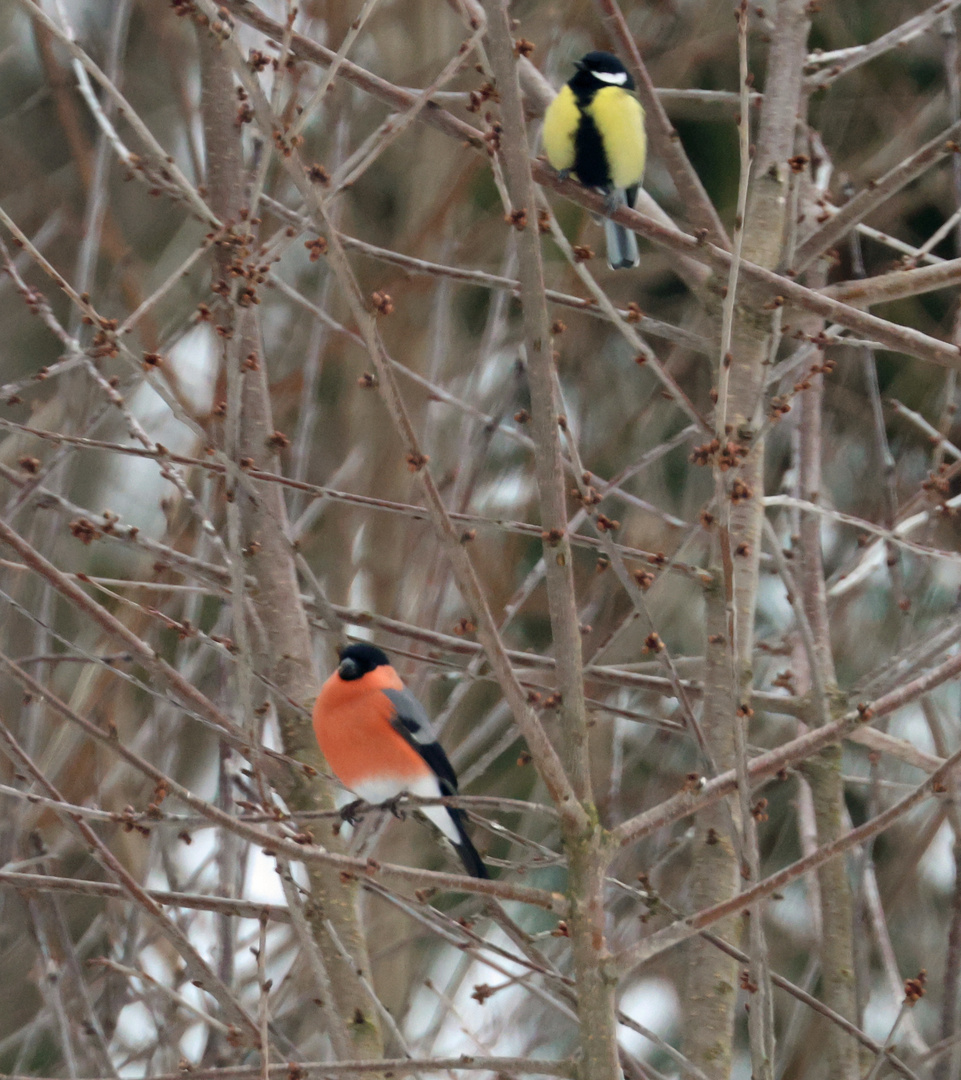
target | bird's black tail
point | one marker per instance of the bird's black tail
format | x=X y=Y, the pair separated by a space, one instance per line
x=473 y=863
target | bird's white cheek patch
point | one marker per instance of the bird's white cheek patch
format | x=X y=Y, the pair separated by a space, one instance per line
x=615 y=78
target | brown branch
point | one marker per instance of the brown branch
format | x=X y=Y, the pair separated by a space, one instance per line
x=772 y=762
x=772 y=288
x=586 y=857
x=875 y=194
x=410 y=510
x=391 y=1066
x=397 y=98
x=200 y=971
x=897 y=285
x=819 y=1007
x=223 y=905
x=672 y=935
x=197 y=703
x=823 y=770
x=182 y=185
x=844 y=61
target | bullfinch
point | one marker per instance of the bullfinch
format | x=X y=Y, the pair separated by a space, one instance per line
x=594 y=129
x=379 y=743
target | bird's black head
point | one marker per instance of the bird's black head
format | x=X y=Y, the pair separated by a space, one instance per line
x=600 y=69
x=357 y=660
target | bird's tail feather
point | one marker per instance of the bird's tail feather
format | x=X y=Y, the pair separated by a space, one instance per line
x=622 y=251
x=450 y=821
x=473 y=863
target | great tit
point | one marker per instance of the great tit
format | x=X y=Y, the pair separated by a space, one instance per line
x=594 y=129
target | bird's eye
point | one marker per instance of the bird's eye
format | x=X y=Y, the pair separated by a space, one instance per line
x=349 y=670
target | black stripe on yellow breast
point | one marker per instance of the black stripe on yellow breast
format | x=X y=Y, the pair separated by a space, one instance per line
x=597 y=134
x=590 y=160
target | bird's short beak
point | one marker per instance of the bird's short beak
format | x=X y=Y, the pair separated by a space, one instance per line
x=348 y=669
x=579 y=65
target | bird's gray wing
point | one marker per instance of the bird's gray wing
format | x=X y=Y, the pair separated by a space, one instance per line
x=412 y=722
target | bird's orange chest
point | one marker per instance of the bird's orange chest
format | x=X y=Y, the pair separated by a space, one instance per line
x=352 y=722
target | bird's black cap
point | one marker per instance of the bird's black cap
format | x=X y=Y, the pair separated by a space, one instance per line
x=601 y=68
x=358 y=660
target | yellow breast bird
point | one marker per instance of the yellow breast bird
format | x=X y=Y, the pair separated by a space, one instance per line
x=594 y=129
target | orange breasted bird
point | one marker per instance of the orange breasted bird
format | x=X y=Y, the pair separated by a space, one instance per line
x=379 y=743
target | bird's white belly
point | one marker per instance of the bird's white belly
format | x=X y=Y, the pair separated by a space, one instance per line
x=380 y=789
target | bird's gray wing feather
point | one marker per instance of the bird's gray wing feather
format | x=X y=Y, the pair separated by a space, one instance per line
x=411 y=720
